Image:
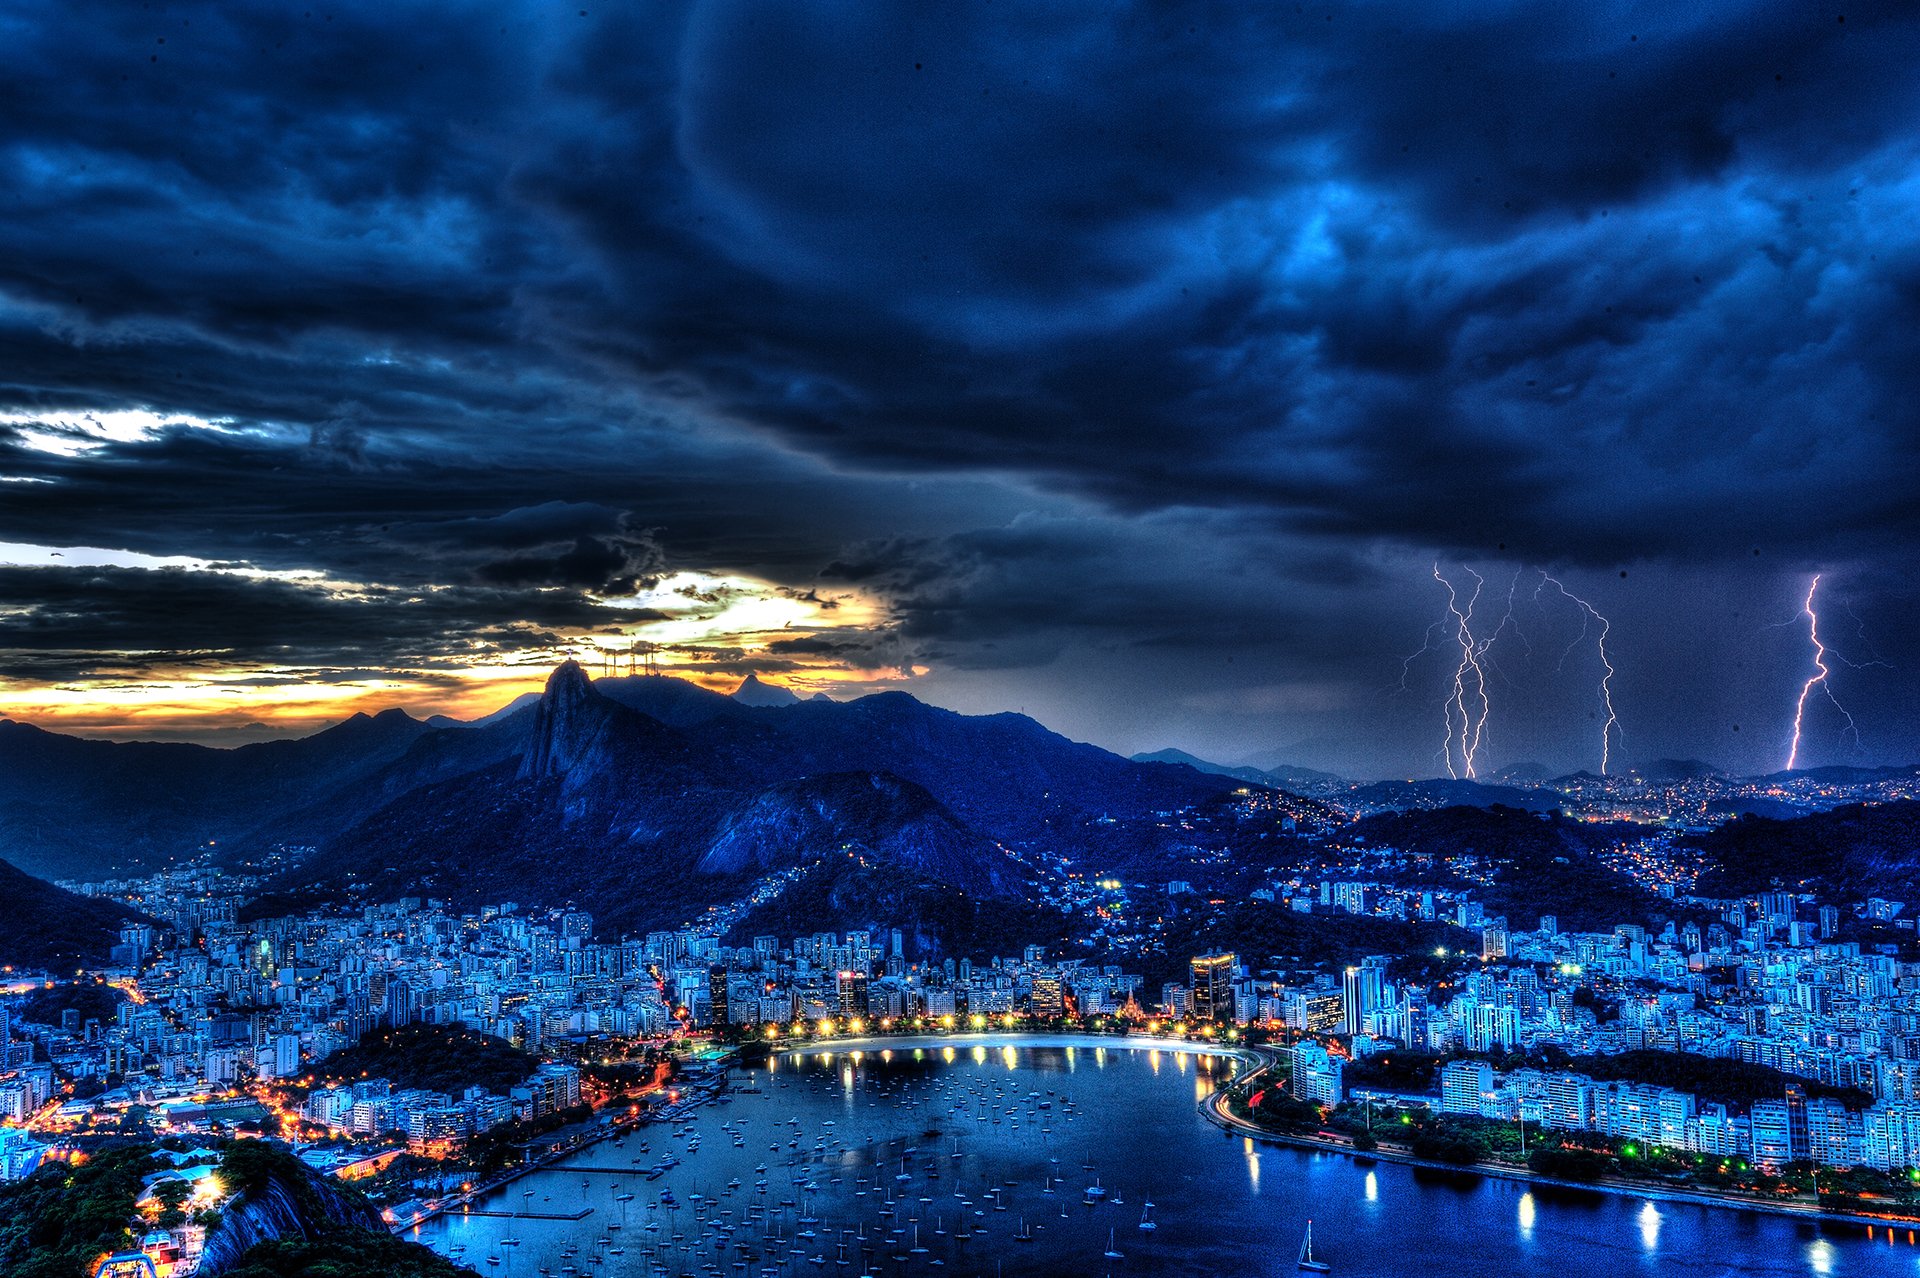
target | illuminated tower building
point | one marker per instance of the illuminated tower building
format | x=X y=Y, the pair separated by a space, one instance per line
x=853 y=993
x=1212 y=986
x=1363 y=989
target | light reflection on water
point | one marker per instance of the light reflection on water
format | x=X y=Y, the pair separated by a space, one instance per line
x=1225 y=1205
x=1650 y=1219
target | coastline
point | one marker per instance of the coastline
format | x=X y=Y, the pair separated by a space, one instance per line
x=1253 y=1060
x=1213 y=1109
x=1016 y=1038
x=693 y=1098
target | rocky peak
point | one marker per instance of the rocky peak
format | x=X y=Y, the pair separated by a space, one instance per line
x=569 y=723
x=752 y=692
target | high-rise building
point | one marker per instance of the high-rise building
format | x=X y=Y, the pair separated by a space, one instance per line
x=1799 y=1141
x=402 y=1004
x=1318 y=1075
x=1362 y=990
x=1465 y=1087
x=1212 y=986
x=1047 y=999
x=853 y=993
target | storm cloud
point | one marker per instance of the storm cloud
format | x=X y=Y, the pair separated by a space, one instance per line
x=1161 y=345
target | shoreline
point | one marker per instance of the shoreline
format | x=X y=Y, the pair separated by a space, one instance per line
x=692 y=1099
x=1213 y=1110
x=1253 y=1060
x=1015 y=1038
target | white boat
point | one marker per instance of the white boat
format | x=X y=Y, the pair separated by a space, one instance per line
x=1307 y=1263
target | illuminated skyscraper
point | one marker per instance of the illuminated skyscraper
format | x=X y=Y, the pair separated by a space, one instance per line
x=1363 y=989
x=1212 y=996
x=853 y=993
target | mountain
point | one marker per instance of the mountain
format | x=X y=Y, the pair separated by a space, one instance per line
x=1850 y=853
x=1278 y=763
x=1255 y=775
x=1675 y=770
x=644 y=799
x=77 y=808
x=875 y=812
x=1442 y=792
x=47 y=928
x=752 y=692
x=1846 y=774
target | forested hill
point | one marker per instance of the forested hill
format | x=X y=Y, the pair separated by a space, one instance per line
x=1850 y=853
x=1539 y=863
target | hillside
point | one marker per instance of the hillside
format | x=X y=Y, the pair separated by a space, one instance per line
x=284 y=1221
x=1850 y=853
x=45 y=927
x=1539 y=864
x=645 y=799
x=441 y=1058
x=78 y=808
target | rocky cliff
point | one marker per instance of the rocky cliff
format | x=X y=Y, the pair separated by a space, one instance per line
x=288 y=1201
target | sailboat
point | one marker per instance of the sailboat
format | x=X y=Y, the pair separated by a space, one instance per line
x=1307 y=1263
x=1147 y=1222
x=1113 y=1252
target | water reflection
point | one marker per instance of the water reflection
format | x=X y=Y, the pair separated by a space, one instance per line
x=1139 y=1135
x=1649 y=1221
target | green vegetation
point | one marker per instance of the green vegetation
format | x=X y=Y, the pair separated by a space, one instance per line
x=441 y=1058
x=360 y=1254
x=1538 y=864
x=62 y=1216
x=1849 y=853
x=1713 y=1078
x=1266 y=931
x=1570 y=1163
x=1399 y=1070
x=92 y=999
x=46 y=928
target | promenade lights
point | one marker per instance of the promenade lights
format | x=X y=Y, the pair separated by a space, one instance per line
x=977 y=1020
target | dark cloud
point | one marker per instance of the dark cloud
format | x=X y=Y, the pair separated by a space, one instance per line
x=602 y=566
x=65 y=623
x=978 y=308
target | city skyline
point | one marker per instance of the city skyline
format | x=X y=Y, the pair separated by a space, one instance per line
x=1139 y=370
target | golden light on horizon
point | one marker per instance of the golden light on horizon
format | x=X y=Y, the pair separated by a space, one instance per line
x=705 y=628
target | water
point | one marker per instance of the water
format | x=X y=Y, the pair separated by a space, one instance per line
x=1125 y=1117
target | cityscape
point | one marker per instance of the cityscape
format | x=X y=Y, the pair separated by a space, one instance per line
x=1755 y=1051
x=725 y=639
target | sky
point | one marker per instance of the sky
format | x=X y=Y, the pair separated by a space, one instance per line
x=1154 y=369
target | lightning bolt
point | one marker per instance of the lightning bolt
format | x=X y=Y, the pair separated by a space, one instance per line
x=1469 y=700
x=1819 y=679
x=1593 y=614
